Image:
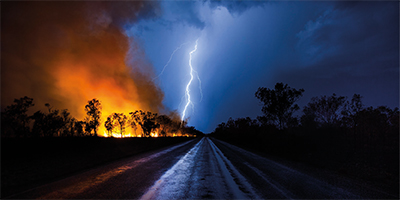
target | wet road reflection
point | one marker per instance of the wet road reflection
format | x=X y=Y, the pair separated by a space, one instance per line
x=198 y=169
x=203 y=172
x=127 y=178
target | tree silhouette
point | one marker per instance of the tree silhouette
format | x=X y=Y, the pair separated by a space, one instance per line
x=326 y=110
x=16 y=118
x=79 y=127
x=54 y=123
x=351 y=112
x=40 y=125
x=150 y=123
x=165 y=124
x=279 y=102
x=93 y=111
x=67 y=123
x=132 y=121
x=175 y=126
x=376 y=125
x=119 y=120
x=109 y=125
x=146 y=120
x=138 y=119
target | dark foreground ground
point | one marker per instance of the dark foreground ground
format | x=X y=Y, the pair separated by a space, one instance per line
x=30 y=162
x=203 y=168
x=376 y=167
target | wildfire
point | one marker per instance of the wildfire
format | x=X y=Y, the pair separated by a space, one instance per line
x=126 y=135
x=154 y=134
x=70 y=58
x=67 y=58
x=117 y=134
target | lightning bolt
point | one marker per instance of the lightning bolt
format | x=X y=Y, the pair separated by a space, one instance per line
x=201 y=91
x=170 y=58
x=187 y=93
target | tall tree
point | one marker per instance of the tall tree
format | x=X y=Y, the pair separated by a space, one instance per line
x=150 y=123
x=176 y=126
x=165 y=124
x=70 y=126
x=109 y=125
x=67 y=123
x=132 y=121
x=327 y=110
x=79 y=127
x=40 y=124
x=119 y=120
x=352 y=110
x=93 y=112
x=16 y=118
x=146 y=120
x=138 y=118
x=50 y=124
x=279 y=103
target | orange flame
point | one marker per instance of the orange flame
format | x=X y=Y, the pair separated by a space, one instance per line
x=67 y=53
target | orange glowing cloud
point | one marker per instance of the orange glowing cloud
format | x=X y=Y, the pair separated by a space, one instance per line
x=66 y=53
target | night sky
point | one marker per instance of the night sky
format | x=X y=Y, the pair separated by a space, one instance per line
x=322 y=47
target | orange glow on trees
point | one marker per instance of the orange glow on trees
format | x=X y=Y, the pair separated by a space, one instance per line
x=93 y=111
x=146 y=124
x=62 y=55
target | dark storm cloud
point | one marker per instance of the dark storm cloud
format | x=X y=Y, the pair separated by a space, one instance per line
x=236 y=7
x=124 y=13
x=352 y=48
x=65 y=53
x=185 y=12
x=355 y=34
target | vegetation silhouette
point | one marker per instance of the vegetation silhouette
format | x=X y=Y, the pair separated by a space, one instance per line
x=279 y=103
x=15 y=118
x=325 y=110
x=59 y=123
x=53 y=123
x=109 y=125
x=146 y=120
x=164 y=122
x=40 y=146
x=119 y=120
x=93 y=111
x=332 y=133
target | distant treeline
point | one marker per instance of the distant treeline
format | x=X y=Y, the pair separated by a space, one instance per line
x=333 y=131
x=59 y=123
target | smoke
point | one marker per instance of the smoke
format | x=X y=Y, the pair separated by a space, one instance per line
x=66 y=53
